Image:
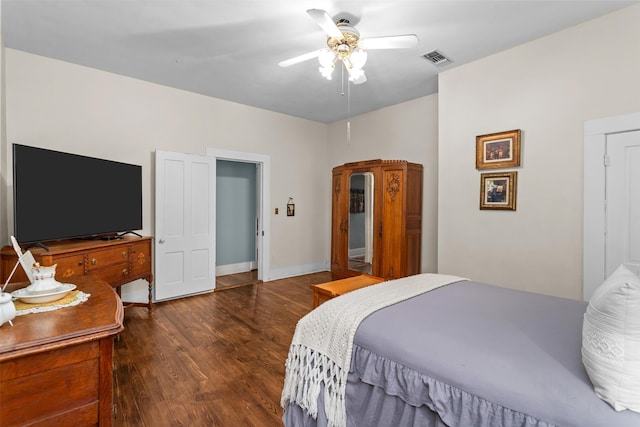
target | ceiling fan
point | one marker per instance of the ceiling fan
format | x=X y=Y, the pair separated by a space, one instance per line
x=344 y=44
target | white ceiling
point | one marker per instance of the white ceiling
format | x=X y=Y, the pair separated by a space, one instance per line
x=230 y=49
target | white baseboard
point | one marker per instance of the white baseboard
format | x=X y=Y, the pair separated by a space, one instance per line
x=138 y=291
x=356 y=252
x=241 y=267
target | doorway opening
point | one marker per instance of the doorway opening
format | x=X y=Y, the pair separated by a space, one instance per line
x=241 y=206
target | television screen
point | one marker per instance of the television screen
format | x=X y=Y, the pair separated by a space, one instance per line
x=61 y=195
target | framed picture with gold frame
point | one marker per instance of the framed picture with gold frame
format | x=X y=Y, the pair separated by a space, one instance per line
x=498 y=150
x=498 y=190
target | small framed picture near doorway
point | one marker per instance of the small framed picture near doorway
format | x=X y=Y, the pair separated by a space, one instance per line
x=498 y=150
x=498 y=190
x=291 y=207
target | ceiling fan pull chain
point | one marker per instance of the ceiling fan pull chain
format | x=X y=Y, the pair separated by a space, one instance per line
x=348 y=111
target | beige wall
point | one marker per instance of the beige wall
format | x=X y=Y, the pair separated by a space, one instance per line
x=71 y=108
x=407 y=131
x=546 y=88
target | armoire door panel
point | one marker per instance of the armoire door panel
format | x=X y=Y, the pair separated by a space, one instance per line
x=414 y=186
x=414 y=241
x=393 y=252
x=339 y=225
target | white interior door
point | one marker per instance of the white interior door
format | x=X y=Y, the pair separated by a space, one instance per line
x=623 y=202
x=185 y=224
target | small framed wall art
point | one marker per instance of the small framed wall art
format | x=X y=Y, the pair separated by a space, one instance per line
x=291 y=207
x=498 y=150
x=498 y=190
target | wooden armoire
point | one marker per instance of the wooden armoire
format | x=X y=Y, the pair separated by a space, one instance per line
x=391 y=202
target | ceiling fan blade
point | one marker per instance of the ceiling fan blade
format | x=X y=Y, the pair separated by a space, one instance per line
x=325 y=22
x=390 y=42
x=300 y=58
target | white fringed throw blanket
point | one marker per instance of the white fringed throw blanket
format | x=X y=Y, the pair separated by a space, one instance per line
x=320 y=351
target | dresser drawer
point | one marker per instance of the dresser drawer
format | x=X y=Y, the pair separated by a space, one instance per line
x=115 y=275
x=105 y=257
x=52 y=387
x=140 y=258
x=67 y=267
x=50 y=394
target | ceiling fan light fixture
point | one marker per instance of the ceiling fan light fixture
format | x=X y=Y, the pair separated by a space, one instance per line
x=344 y=44
x=358 y=58
x=342 y=52
x=357 y=76
x=327 y=59
x=326 y=72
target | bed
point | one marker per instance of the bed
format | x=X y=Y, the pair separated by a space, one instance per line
x=462 y=354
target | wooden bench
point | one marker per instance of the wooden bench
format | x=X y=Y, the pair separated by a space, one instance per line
x=325 y=291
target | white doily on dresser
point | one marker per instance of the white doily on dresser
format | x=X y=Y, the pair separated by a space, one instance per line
x=74 y=298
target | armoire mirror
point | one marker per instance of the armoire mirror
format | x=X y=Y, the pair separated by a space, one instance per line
x=361 y=222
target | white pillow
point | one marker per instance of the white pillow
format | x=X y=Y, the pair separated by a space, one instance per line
x=611 y=340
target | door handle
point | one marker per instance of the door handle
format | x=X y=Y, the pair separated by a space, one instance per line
x=161 y=241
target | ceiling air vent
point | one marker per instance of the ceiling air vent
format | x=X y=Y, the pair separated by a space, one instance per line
x=436 y=58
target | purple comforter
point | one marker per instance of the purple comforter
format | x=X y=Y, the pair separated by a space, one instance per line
x=471 y=354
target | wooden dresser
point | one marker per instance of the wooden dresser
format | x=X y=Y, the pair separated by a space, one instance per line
x=56 y=367
x=117 y=262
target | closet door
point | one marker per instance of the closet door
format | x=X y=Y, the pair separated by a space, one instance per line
x=340 y=225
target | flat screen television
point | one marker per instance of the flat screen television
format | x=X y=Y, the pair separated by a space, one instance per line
x=60 y=196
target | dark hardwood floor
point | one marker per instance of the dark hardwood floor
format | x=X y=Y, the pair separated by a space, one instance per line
x=210 y=360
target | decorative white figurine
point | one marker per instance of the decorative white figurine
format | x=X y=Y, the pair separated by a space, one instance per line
x=7 y=309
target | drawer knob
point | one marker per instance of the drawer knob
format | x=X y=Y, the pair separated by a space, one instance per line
x=94 y=261
x=124 y=254
x=125 y=272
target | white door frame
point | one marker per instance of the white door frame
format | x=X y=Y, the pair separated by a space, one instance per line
x=594 y=214
x=263 y=174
